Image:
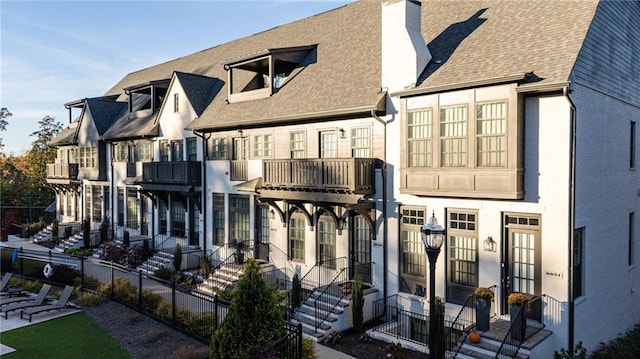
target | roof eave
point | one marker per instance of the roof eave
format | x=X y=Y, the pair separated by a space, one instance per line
x=380 y=105
x=519 y=77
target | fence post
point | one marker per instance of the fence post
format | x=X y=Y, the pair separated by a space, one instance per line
x=173 y=303
x=299 y=339
x=50 y=257
x=21 y=262
x=140 y=289
x=215 y=311
x=81 y=272
x=112 y=279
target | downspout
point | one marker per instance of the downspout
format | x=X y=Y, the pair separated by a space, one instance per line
x=385 y=233
x=203 y=195
x=572 y=217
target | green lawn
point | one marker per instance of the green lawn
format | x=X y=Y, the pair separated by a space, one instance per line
x=71 y=336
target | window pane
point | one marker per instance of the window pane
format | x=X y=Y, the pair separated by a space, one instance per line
x=360 y=142
x=419 y=138
x=453 y=136
x=492 y=134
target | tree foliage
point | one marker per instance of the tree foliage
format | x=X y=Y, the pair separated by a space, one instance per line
x=358 y=304
x=4 y=115
x=254 y=321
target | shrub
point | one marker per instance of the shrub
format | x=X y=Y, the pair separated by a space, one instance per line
x=205 y=267
x=253 y=298
x=163 y=273
x=483 y=293
x=296 y=292
x=146 y=251
x=54 y=231
x=308 y=349
x=89 y=282
x=87 y=299
x=358 y=304
x=518 y=299
x=79 y=252
x=177 y=258
x=29 y=230
x=64 y=274
x=578 y=353
x=126 y=242
x=122 y=291
x=67 y=231
x=86 y=232
x=104 y=230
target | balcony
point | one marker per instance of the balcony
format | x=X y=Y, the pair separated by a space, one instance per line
x=64 y=171
x=238 y=170
x=347 y=176
x=171 y=173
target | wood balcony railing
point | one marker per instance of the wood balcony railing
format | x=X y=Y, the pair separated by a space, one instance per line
x=179 y=173
x=132 y=170
x=238 y=170
x=355 y=175
x=62 y=171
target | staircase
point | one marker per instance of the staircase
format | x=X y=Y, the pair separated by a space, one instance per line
x=44 y=235
x=227 y=275
x=75 y=241
x=155 y=262
x=331 y=315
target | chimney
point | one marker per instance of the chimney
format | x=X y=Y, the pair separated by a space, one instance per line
x=404 y=52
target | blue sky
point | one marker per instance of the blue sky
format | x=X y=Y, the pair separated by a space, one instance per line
x=53 y=52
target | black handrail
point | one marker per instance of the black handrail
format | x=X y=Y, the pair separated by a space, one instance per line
x=330 y=289
x=512 y=343
x=468 y=314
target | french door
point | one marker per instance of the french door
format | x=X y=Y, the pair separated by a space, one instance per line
x=521 y=260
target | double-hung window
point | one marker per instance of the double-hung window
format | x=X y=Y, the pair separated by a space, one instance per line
x=192 y=149
x=298 y=144
x=361 y=142
x=491 y=128
x=419 y=138
x=296 y=236
x=453 y=136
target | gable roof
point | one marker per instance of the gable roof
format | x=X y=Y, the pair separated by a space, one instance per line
x=104 y=113
x=66 y=137
x=199 y=89
x=484 y=40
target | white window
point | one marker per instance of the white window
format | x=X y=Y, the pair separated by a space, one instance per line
x=419 y=138
x=121 y=152
x=492 y=134
x=361 y=142
x=143 y=151
x=88 y=157
x=176 y=102
x=263 y=146
x=453 y=136
x=298 y=144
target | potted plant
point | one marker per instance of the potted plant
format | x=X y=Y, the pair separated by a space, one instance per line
x=483 y=308
x=518 y=313
x=240 y=246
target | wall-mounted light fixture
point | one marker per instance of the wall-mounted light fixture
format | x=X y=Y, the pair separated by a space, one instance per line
x=272 y=214
x=240 y=133
x=489 y=244
x=343 y=133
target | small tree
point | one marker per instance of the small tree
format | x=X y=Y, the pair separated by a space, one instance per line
x=126 y=242
x=296 y=292
x=67 y=231
x=104 y=230
x=240 y=333
x=86 y=232
x=358 y=303
x=177 y=258
x=54 y=231
x=205 y=267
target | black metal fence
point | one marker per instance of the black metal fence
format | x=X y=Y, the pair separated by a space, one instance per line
x=187 y=309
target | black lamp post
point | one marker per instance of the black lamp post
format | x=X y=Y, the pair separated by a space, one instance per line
x=433 y=236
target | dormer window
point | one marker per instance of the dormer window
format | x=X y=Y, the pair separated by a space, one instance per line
x=263 y=75
x=148 y=96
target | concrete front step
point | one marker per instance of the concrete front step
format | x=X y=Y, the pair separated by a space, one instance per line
x=487 y=349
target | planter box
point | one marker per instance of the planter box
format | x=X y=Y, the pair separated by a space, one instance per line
x=483 y=308
x=518 y=322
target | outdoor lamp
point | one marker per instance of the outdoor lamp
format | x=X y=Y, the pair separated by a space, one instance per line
x=433 y=238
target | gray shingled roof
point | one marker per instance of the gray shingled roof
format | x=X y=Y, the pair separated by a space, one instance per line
x=105 y=113
x=469 y=40
x=200 y=90
x=66 y=137
x=345 y=76
x=477 y=40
